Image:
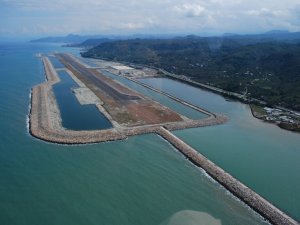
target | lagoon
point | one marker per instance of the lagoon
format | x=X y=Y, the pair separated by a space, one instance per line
x=74 y=115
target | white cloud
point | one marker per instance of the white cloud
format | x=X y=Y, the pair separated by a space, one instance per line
x=148 y=16
x=190 y=10
x=266 y=12
x=132 y=26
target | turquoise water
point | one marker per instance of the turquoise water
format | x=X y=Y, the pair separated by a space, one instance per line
x=261 y=155
x=138 y=181
x=74 y=115
x=172 y=104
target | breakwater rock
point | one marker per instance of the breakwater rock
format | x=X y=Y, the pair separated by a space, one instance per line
x=46 y=124
x=252 y=199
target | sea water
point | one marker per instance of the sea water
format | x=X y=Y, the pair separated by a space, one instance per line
x=142 y=180
x=261 y=155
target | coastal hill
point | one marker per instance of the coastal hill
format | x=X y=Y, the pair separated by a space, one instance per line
x=75 y=40
x=89 y=43
x=71 y=38
x=265 y=66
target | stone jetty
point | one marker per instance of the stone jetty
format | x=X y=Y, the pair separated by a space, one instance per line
x=45 y=124
x=174 y=98
x=252 y=199
x=45 y=118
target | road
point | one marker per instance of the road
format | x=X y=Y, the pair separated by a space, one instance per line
x=96 y=80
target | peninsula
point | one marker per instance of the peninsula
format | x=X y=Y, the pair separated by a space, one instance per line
x=130 y=113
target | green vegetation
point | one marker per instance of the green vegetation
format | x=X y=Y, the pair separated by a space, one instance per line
x=260 y=68
x=291 y=127
x=258 y=111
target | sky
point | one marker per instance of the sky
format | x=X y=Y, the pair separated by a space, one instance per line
x=33 y=18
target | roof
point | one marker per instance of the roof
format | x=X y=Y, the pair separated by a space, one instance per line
x=122 y=67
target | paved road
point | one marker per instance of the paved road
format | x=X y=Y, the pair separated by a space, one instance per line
x=117 y=95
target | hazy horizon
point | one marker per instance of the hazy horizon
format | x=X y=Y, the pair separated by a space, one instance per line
x=34 y=18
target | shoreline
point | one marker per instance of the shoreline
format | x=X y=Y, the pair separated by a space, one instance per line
x=285 y=126
x=256 y=202
x=234 y=97
x=226 y=94
x=45 y=125
x=45 y=120
x=230 y=95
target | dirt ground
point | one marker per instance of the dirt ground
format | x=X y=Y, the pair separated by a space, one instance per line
x=135 y=111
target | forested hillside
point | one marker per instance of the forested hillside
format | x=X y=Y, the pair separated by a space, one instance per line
x=266 y=69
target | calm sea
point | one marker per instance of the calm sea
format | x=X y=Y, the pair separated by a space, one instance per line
x=142 y=180
x=261 y=155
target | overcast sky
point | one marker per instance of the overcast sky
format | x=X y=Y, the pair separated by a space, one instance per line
x=60 y=17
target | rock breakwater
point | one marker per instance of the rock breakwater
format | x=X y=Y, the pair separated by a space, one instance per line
x=252 y=199
x=45 y=118
x=45 y=124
